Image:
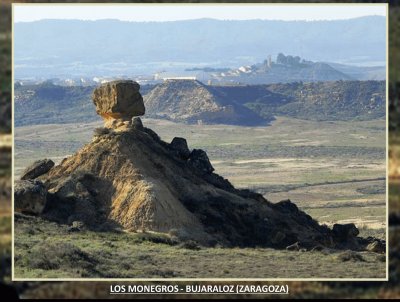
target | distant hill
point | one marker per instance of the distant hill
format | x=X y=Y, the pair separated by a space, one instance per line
x=362 y=73
x=115 y=47
x=340 y=100
x=285 y=69
x=191 y=101
x=48 y=103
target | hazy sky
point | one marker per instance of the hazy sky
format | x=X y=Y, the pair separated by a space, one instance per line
x=146 y=12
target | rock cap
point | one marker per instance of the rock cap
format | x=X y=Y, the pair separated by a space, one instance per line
x=119 y=99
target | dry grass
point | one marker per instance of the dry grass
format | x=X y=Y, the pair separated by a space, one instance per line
x=48 y=250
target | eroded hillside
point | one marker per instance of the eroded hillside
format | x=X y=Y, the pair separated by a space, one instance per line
x=192 y=102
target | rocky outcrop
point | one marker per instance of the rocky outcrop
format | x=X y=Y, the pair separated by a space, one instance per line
x=133 y=180
x=346 y=236
x=74 y=199
x=38 y=168
x=180 y=146
x=376 y=246
x=118 y=101
x=344 y=232
x=30 y=196
x=200 y=161
x=137 y=124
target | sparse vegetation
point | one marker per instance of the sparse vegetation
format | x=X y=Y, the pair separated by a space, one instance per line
x=137 y=255
x=350 y=256
x=55 y=256
x=190 y=245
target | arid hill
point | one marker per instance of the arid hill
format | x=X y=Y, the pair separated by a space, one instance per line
x=128 y=178
x=191 y=101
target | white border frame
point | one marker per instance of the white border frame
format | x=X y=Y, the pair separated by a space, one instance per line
x=13 y=278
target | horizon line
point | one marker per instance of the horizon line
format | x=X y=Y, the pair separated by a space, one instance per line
x=198 y=19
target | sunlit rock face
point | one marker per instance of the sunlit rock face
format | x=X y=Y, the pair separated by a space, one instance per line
x=118 y=102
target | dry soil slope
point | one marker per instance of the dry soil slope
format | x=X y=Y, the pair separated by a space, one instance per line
x=191 y=101
x=134 y=180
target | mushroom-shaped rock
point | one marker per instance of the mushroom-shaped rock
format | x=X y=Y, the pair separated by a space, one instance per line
x=37 y=169
x=118 y=100
x=29 y=196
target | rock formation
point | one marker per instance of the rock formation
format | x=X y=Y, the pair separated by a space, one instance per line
x=199 y=160
x=180 y=145
x=137 y=123
x=117 y=102
x=37 y=168
x=30 y=196
x=131 y=179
